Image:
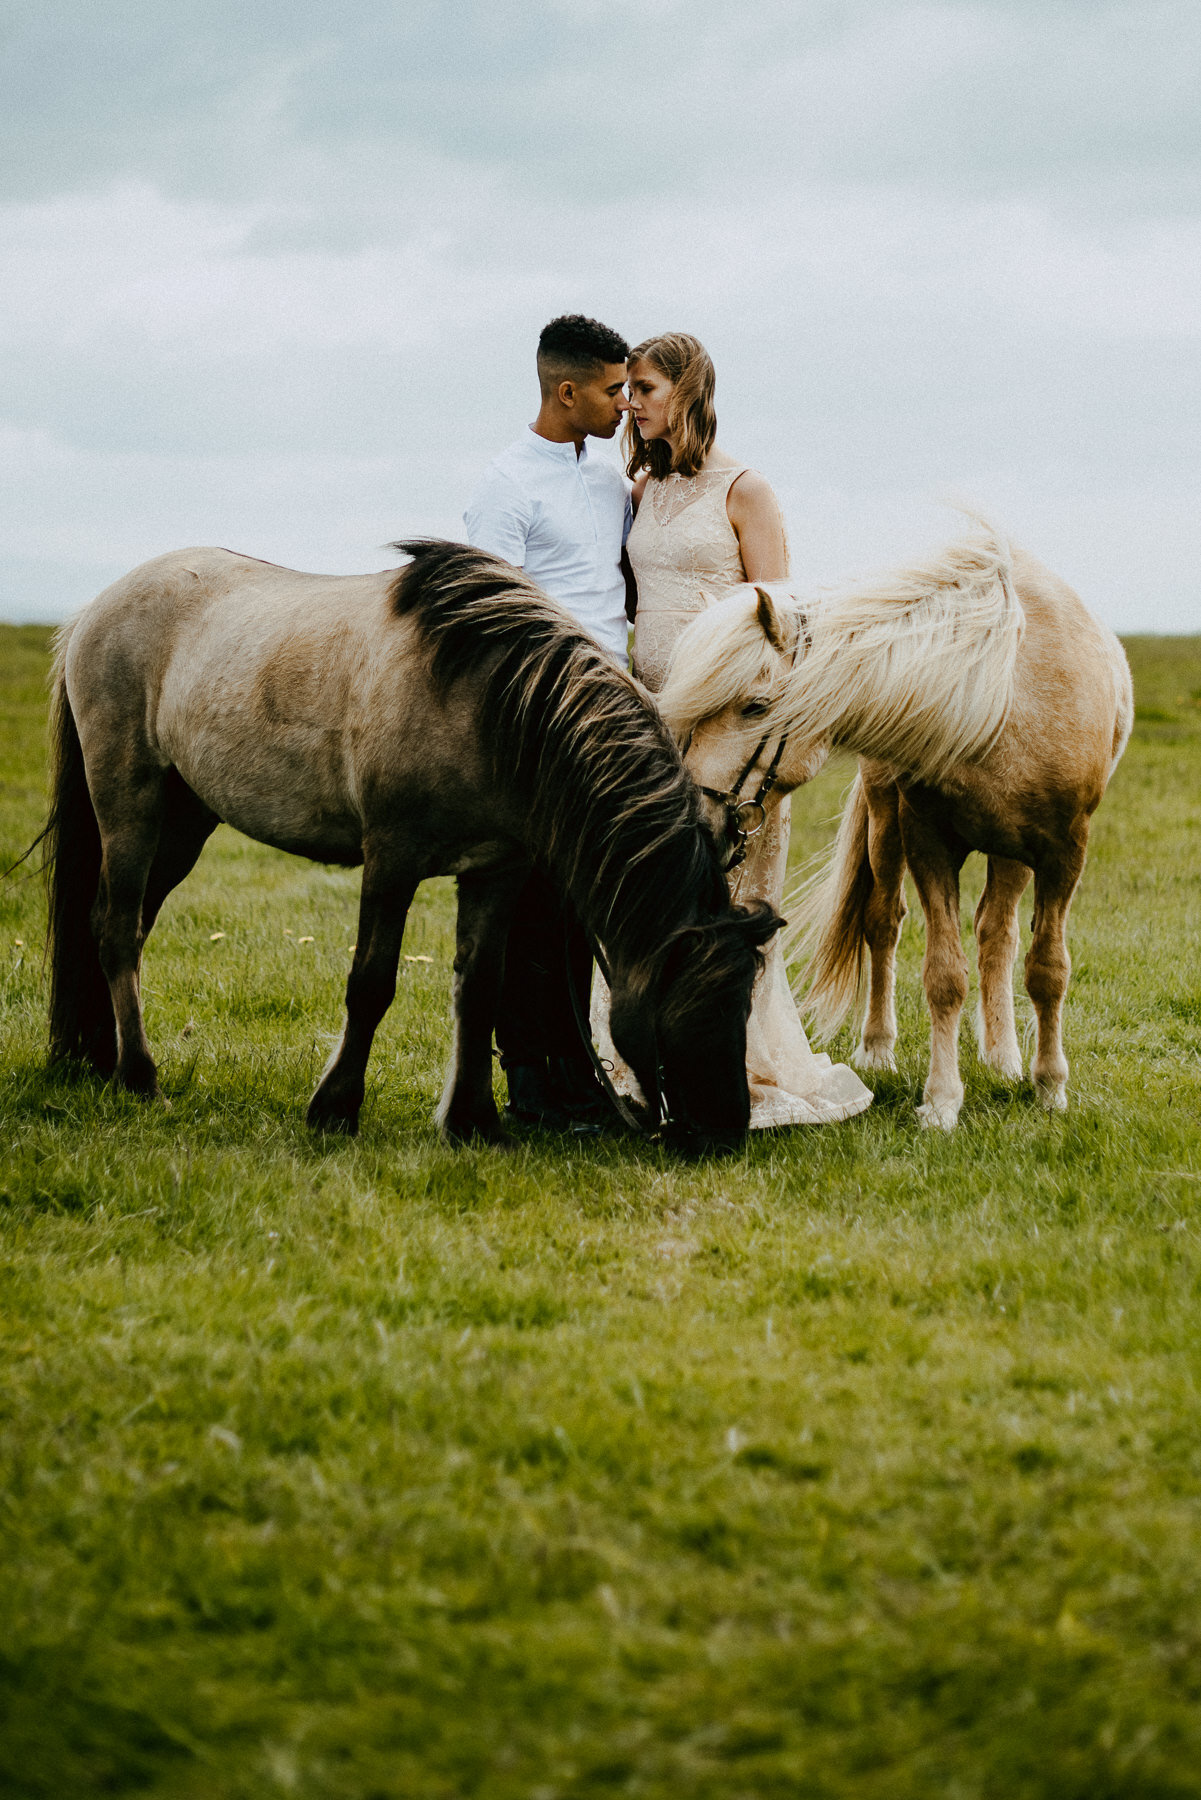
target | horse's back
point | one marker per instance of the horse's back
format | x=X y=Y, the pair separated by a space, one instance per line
x=187 y=588
x=1066 y=726
x=214 y=613
x=1073 y=700
x=253 y=680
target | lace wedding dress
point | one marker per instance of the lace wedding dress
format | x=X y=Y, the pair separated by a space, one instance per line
x=681 y=547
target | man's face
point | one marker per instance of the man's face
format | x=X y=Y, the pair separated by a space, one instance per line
x=599 y=404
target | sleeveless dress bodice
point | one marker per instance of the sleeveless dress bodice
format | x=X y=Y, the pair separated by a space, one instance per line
x=681 y=547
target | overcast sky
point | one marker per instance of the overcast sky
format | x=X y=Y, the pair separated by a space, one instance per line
x=273 y=274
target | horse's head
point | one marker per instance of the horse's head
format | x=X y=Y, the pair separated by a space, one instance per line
x=724 y=701
x=680 y=1023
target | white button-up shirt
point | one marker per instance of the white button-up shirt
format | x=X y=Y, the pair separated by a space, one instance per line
x=563 y=519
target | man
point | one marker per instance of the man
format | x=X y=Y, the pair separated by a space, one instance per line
x=563 y=517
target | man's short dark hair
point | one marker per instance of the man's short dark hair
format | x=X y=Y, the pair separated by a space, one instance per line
x=576 y=346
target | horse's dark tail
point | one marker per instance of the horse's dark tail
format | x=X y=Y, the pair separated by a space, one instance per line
x=82 y=1027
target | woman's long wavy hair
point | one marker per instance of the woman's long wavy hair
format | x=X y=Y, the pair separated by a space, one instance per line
x=692 y=422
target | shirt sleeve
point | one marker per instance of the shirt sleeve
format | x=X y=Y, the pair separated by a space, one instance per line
x=629 y=515
x=498 y=518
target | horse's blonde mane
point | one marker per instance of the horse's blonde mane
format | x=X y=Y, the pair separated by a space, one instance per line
x=914 y=668
x=720 y=658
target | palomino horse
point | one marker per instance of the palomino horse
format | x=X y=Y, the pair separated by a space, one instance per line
x=989 y=710
x=446 y=718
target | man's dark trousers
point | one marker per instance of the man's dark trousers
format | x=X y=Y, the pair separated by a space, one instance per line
x=547 y=949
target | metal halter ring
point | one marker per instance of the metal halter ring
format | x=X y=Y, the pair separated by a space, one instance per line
x=742 y=815
x=738 y=810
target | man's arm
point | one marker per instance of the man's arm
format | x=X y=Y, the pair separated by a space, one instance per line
x=631 y=586
x=498 y=518
x=624 y=560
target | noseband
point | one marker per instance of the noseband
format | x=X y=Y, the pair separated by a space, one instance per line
x=629 y=1116
x=745 y=819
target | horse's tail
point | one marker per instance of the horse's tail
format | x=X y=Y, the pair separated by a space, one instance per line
x=832 y=927
x=82 y=1026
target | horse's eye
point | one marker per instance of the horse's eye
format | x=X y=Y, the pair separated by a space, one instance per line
x=754 y=709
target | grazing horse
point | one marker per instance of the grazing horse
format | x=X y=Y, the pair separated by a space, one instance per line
x=989 y=710
x=446 y=718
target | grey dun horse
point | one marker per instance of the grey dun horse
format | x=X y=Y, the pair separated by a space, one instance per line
x=446 y=718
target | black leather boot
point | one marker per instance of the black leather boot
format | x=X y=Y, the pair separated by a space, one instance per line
x=580 y=1095
x=534 y=1099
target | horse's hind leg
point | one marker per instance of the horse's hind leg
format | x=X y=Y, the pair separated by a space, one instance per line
x=935 y=856
x=883 y=917
x=486 y=902
x=1048 y=966
x=187 y=825
x=129 y=812
x=387 y=893
x=997 y=936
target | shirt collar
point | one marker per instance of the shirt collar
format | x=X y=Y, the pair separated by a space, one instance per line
x=564 y=452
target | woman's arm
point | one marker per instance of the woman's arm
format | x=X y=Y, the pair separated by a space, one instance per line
x=754 y=512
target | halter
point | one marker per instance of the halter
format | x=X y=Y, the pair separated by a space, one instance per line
x=745 y=819
x=628 y=1114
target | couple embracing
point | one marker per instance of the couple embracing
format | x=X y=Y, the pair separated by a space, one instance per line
x=694 y=524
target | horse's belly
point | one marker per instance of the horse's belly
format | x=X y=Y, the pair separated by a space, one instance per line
x=969 y=807
x=291 y=794
x=491 y=854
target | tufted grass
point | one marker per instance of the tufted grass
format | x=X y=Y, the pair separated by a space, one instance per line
x=864 y=1465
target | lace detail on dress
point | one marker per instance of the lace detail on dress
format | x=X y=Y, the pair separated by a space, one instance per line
x=681 y=548
x=676 y=493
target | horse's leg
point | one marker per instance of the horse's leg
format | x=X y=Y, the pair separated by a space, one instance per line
x=1048 y=966
x=486 y=901
x=997 y=935
x=935 y=856
x=186 y=828
x=129 y=811
x=883 y=916
x=384 y=901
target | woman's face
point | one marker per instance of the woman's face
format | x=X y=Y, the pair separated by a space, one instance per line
x=650 y=398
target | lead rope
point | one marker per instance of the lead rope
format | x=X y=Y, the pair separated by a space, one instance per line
x=618 y=1102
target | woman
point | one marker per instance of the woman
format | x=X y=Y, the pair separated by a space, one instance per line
x=704 y=524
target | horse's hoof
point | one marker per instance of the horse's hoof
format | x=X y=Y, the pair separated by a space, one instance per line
x=934 y=1117
x=875 y=1056
x=140 y=1080
x=482 y=1134
x=1052 y=1095
x=328 y=1118
x=1006 y=1065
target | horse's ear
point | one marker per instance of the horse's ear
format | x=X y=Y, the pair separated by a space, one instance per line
x=778 y=629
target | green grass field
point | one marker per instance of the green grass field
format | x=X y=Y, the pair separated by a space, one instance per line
x=866 y=1464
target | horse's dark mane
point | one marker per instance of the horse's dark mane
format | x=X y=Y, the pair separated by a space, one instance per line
x=611 y=809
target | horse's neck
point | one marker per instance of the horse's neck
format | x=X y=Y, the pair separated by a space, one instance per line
x=632 y=919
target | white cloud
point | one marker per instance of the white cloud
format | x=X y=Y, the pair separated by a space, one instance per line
x=286 y=288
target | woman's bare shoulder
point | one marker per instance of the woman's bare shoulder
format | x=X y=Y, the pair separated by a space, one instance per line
x=749 y=481
x=749 y=492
